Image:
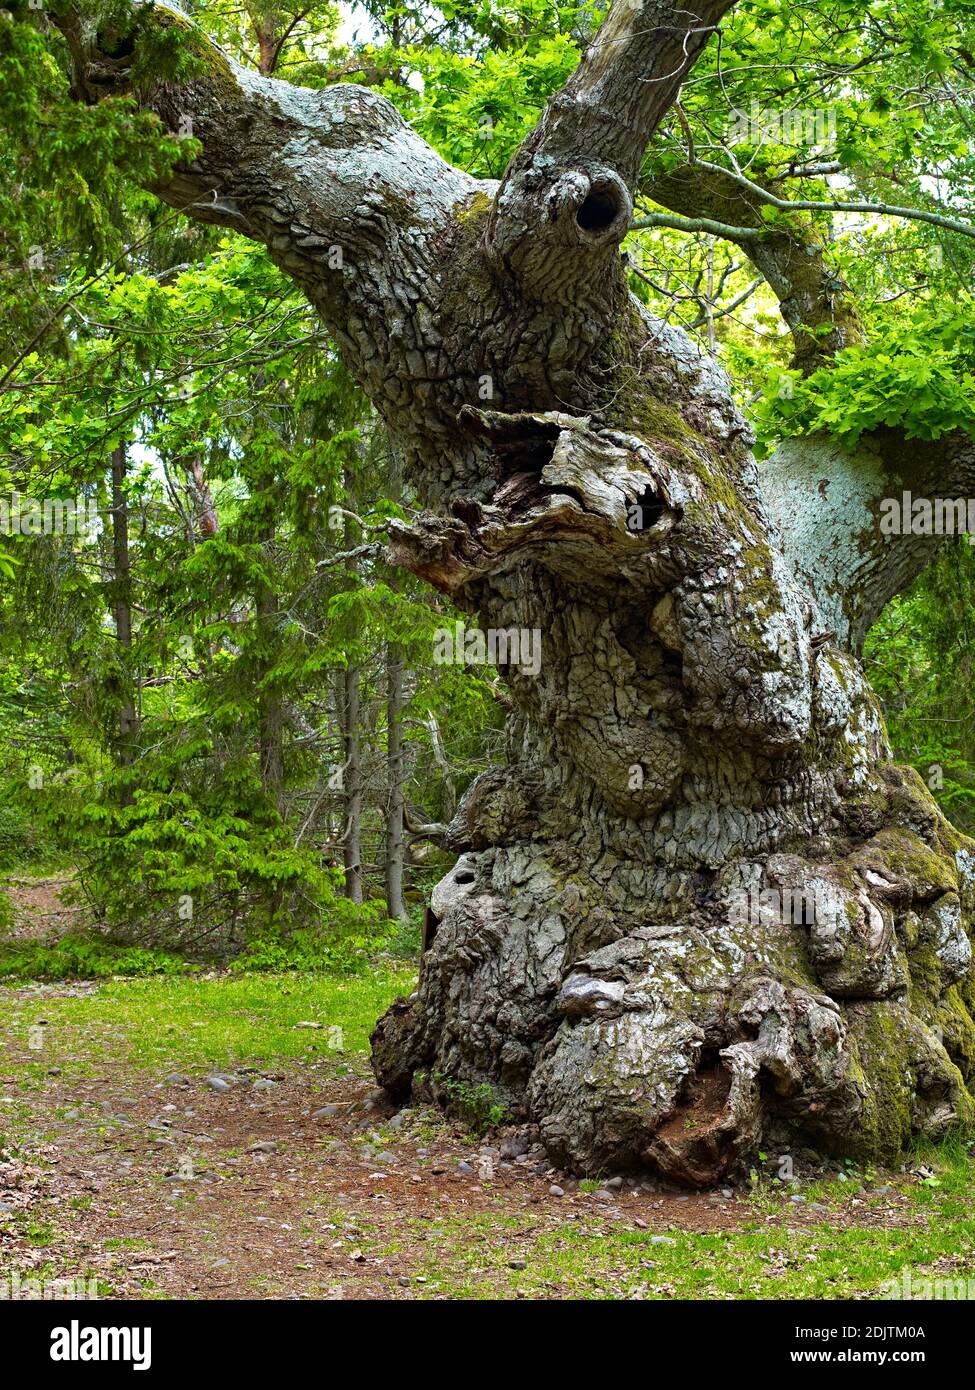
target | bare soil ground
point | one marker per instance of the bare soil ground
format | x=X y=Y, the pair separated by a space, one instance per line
x=292 y=1183
x=38 y=907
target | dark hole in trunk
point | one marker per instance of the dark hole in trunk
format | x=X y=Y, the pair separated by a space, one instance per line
x=599 y=211
x=430 y=924
x=645 y=511
x=116 y=46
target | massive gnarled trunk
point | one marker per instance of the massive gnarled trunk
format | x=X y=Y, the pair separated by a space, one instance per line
x=699 y=907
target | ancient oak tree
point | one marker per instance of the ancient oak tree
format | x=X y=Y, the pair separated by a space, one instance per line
x=699 y=743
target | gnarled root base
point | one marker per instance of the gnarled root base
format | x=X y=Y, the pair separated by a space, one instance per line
x=672 y=1021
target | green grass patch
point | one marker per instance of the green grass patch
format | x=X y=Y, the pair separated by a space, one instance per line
x=185 y=1023
x=468 y=1257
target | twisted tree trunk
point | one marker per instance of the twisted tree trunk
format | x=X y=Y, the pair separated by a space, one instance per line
x=619 y=951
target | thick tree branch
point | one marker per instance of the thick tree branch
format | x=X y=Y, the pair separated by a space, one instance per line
x=566 y=199
x=347 y=198
x=828 y=505
x=815 y=301
x=626 y=82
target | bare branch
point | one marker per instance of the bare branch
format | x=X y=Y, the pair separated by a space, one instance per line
x=696 y=224
x=936 y=219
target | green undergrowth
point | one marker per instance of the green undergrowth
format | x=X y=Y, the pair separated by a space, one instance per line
x=79 y=957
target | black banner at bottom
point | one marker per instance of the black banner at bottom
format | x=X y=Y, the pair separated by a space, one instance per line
x=168 y=1338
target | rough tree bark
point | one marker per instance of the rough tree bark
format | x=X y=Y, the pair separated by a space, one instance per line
x=700 y=729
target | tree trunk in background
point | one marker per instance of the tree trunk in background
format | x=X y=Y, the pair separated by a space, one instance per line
x=448 y=792
x=395 y=840
x=128 y=720
x=348 y=701
x=350 y=719
x=271 y=710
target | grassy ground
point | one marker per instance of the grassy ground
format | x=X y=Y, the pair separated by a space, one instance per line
x=105 y=1100
x=171 y=1022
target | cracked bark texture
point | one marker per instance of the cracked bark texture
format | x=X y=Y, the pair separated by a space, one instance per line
x=699 y=734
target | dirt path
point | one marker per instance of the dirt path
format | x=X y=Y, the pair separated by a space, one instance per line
x=38 y=907
x=291 y=1183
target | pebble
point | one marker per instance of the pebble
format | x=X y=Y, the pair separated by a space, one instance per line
x=262 y=1084
x=515 y=1147
x=217 y=1083
x=326 y=1112
x=662 y=1240
x=614 y=1183
x=462 y=1167
x=517 y=1264
x=556 y=1191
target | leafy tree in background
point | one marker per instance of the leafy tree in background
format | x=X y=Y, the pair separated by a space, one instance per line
x=220 y=813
